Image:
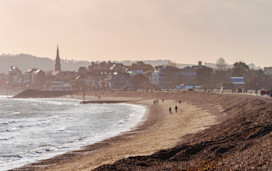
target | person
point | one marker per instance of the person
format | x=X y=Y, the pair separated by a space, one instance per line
x=221 y=90
x=170 y=110
x=176 y=109
x=179 y=101
x=162 y=100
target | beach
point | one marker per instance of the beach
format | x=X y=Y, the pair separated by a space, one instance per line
x=160 y=132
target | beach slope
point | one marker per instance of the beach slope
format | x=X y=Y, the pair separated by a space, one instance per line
x=212 y=132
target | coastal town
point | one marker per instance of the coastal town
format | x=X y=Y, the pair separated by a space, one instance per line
x=118 y=76
x=147 y=85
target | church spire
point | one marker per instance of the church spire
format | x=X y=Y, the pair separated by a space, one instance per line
x=57 y=65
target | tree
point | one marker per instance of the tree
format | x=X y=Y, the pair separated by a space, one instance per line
x=221 y=64
x=221 y=77
x=240 y=69
x=222 y=73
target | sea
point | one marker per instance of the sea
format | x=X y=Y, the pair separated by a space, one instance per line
x=36 y=129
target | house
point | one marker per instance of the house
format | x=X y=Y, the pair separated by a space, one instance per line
x=85 y=81
x=119 y=80
x=39 y=78
x=188 y=75
x=28 y=77
x=14 y=76
x=34 y=78
x=166 y=77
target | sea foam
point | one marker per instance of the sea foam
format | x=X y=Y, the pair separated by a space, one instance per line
x=36 y=129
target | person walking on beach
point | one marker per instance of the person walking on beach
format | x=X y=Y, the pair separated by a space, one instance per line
x=176 y=109
x=170 y=110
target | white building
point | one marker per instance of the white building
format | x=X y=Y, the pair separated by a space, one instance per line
x=29 y=76
x=155 y=77
x=14 y=76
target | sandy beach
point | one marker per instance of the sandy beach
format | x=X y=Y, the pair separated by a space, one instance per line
x=160 y=132
x=164 y=133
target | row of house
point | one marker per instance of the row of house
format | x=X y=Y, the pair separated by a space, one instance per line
x=169 y=77
x=31 y=78
x=38 y=79
x=110 y=75
x=105 y=75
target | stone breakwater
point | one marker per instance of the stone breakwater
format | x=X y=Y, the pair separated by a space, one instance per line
x=42 y=94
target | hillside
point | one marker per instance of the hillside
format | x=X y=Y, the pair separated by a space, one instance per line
x=26 y=61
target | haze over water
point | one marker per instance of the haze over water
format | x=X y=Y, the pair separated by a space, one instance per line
x=34 y=129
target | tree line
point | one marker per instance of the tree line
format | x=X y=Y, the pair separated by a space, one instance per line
x=214 y=78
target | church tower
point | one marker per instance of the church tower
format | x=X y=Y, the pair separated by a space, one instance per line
x=57 y=65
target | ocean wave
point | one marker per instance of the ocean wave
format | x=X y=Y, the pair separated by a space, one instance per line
x=16 y=113
x=54 y=126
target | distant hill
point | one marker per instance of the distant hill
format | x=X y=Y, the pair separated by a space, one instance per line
x=213 y=65
x=26 y=61
x=151 y=62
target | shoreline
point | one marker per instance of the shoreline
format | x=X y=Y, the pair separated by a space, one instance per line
x=156 y=125
x=222 y=144
x=39 y=164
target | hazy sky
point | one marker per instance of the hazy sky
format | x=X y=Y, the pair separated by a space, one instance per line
x=183 y=31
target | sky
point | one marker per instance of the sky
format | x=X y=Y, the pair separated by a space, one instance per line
x=183 y=31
